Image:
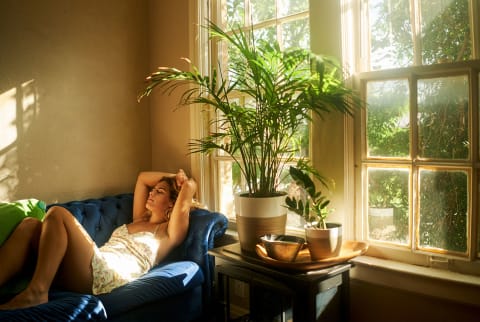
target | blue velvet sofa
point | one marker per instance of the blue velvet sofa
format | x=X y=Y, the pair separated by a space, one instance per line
x=177 y=289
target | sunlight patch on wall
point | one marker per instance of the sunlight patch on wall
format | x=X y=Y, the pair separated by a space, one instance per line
x=8 y=109
x=17 y=112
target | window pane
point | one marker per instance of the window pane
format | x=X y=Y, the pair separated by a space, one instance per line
x=262 y=10
x=388 y=118
x=288 y=7
x=229 y=179
x=235 y=12
x=443 y=210
x=391 y=41
x=445 y=31
x=443 y=118
x=388 y=204
x=221 y=126
x=268 y=34
x=300 y=140
x=296 y=34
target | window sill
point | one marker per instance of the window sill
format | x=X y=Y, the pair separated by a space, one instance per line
x=422 y=280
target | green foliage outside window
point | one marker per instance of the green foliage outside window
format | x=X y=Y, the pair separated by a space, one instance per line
x=443 y=210
x=441 y=128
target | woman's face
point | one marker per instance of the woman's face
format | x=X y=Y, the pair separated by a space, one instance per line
x=159 y=198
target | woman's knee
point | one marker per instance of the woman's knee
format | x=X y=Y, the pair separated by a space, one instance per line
x=54 y=210
x=56 y=213
x=28 y=229
x=29 y=224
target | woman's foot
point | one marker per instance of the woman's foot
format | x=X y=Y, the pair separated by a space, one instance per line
x=26 y=298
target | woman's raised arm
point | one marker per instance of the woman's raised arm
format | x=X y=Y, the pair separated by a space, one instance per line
x=179 y=219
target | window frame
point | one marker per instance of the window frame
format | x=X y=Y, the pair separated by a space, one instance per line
x=470 y=263
x=216 y=158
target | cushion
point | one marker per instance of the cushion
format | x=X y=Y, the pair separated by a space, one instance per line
x=11 y=214
x=62 y=306
x=162 y=281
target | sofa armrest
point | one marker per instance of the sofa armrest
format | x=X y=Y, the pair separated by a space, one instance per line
x=205 y=226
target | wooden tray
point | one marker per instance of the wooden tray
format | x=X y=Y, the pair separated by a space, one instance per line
x=303 y=262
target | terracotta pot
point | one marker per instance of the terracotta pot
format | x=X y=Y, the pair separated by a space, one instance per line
x=257 y=217
x=324 y=243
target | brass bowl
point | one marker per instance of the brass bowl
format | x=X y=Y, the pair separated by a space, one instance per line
x=282 y=247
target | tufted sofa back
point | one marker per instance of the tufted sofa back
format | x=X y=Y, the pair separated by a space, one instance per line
x=101 y=216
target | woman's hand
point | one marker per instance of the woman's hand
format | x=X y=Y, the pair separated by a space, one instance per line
x=185 y=183
x=181 y=177
x=190 y=185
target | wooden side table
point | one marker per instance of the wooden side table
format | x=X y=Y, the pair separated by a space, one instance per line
x=275 y=292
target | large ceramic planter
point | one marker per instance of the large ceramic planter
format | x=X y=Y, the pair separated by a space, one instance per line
x=324 y=243
x=257 y=217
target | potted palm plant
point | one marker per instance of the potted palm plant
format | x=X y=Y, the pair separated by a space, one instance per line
x=281 y=89
x=324 y=239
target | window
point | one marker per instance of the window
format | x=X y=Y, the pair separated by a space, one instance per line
x=284 y=20
x=418 y=71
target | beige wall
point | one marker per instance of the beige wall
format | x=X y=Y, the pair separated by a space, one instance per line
x=169 y=42
x=70 y=126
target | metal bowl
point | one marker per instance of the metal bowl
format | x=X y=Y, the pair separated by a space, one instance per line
x=282 y=247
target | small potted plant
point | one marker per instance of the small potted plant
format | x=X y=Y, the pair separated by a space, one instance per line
x=324 y=239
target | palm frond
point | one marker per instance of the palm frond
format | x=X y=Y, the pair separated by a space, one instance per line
x=287 y=87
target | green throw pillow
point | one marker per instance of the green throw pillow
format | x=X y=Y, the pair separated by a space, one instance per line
x=12 y=213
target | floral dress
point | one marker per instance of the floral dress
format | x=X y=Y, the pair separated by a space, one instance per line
x=124 y=258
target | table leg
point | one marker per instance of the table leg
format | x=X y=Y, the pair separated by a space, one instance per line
x=223 y=297
x=345 y=297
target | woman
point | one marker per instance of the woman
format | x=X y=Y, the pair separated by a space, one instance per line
x=68 y=257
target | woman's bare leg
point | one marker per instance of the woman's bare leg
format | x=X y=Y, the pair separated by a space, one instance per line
x=19 y=248
x=64 y=248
